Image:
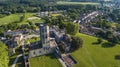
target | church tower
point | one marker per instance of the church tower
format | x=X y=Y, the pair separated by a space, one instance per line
x=44 y=35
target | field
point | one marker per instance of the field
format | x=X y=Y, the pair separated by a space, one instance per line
x=16 y=17
x=76 y=3
x=55 y=15
x=9 y=19
x=96 y=55
x=45 y=61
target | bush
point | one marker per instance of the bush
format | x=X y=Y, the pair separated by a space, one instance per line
x=72 y=28
x=76 y=43
x=99 y=40
x=4 y=58
x=2 y=15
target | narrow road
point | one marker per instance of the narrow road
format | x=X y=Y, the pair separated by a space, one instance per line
x=14 y=63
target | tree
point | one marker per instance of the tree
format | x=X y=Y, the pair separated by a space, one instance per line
x=8 y=36
x=101 y=34
x=99 y=40
x=47 y=20
x=4 y=58
x=61 y=47
x=72 y=28
x=76 y=43
x=1 y=32
x=30 y=23
x=109 y=34
x=118 y=27
x=114 y=40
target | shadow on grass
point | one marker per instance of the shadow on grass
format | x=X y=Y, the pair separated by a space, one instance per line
x=20 y=62
x=52 y=56
x=11 y=61
x=117 y=57
x=108 y=44
x=95 y=43
x=13 y=57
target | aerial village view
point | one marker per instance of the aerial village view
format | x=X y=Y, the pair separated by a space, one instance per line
x=59 y=33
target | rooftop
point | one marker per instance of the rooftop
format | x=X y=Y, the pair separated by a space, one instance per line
x=52 y=42
x=33 y=47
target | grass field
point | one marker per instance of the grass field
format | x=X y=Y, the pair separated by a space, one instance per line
x=96 y=55
x=16 y=17
x=32 y=40
x=55 y=15
x=76 y=3
x=9 y=19
x=45 y=61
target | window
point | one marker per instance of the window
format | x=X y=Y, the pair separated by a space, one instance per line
x=39 y=51
x=34 y=52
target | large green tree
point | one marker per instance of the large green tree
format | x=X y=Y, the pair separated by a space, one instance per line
x=76 y=43
x=72 y=28
x=4 y=58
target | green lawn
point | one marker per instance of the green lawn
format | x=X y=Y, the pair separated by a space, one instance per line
x=9 y=19
x=45 y=61
x=16 y=17
x=29 y=15
x=32 y=40
x=76 y=3
x=95 y=55
x=55 y=15
x=37 y=20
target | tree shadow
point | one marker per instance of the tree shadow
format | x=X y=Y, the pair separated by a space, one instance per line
x=108 y=44
x=20 y=62
x=11 y=61
x=52 y=56
x=73 y=50
x=95 y=43
x=117 y=57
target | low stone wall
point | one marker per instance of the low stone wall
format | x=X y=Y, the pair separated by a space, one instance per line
x=60 y=60
x=41 y=51
x=75 y=62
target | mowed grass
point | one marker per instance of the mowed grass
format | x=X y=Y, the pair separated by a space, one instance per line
x=55 y=15
x=76 y=3
x=95 y=55
x=32 y=40
x=27 y=15
x=9 y=19
x=16 y=17
x=45 y=61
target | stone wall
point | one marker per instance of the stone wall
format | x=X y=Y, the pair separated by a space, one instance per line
x=41 y=51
